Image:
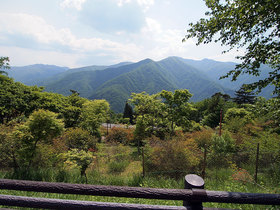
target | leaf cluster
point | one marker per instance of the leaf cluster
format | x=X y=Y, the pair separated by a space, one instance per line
x=249 y=24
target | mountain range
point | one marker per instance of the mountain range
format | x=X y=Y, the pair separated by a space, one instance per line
x=115 y=83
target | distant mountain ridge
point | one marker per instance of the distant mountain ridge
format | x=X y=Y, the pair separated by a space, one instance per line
x=115 y=83
x=35 y=74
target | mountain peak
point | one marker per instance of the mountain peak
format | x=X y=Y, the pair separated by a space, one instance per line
x=147 y=60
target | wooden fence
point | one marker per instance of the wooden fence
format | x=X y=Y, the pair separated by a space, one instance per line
x=192 y=196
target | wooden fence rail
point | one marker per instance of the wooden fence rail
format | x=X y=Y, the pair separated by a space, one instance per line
x=193 y=197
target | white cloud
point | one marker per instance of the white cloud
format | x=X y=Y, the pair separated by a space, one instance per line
x=166 y=42
x=122 y=2
x=60 y=42
x=22 y=56
x=77 y=4
x=145 y=4
x=36 y=28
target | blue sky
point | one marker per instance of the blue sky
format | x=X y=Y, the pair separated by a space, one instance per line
x=76 y=33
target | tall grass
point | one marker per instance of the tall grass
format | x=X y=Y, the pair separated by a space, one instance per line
x=106 y=171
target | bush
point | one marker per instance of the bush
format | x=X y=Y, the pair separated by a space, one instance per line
x=8 y=147
x=118 y=166
x=174 y=158
x=222 y=149
x=78 y=138
x=120 y=135
x=236 y=119
x=203 y=138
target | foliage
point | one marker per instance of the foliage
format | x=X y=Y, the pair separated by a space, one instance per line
x=242 y=175
x=222 y=149
x=119 y=158
x=78 y=158
x=93 y=114
x=8 y=148
x=177 y=109
x=17 y=99
x=237 y=112
x=118 y=166
x=128 y=113
x=71 y=113
x=173 y=157
x=244 y=96
x=4 y=64
x=203 y=138
x=77 y=138
x=41 y=127
x=211 y=109
x=250 y=24
x=120 y=135
x=44 y=125
x=267 y=111
x=161 y=113
x=237 y=118
x=148 y=111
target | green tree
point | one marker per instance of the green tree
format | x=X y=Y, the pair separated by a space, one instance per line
x=237 y=118
x=253 y=25
x=41 y=127
x=8 y=148
x=80 y=159
x=148 y=113
x=177 y=109
x=4 y=64
x=93 y=114
x=215 y=105
x=244 y=96
x=222 y=149
x=128 y=112
x=72 y=112
x=77 y=138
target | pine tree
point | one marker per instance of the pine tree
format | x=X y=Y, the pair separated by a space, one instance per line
x=128 y=112
x=244 y=96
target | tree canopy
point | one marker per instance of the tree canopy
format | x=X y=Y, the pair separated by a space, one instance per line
x=250 y=24
x=4 y=64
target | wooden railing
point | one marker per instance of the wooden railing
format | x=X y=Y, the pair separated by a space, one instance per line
x=192 y=196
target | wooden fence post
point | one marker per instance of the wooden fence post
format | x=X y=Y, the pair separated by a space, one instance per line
x=195 y=183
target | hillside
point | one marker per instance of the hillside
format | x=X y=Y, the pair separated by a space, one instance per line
x=115 y=83
x=35 y=74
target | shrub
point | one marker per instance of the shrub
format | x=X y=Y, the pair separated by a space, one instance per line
x=8 y=147
x=222 y=149
x=120 y=135
x=80 y=159
x=241 y=175
x=237 y=118
x=78 y=138
x=174 y=157
x=118 y=166
x=203 y=138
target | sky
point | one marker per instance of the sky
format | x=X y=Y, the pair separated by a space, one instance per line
x=76 y=33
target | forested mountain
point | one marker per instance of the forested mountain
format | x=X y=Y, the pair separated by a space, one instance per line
x=35 y=74
x=115 y=83
x=215 y=69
